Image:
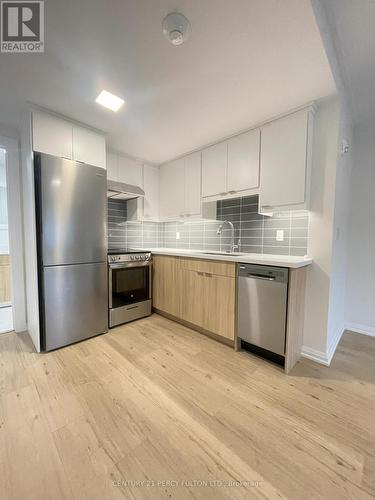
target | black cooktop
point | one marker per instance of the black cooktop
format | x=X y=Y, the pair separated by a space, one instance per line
x=124 y=251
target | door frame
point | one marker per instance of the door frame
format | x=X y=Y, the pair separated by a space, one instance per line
x=15 y=230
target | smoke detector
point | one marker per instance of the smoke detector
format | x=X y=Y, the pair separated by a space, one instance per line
x=176 y=28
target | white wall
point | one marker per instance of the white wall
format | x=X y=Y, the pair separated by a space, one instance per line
x=336 y=313
x=360 y=289
x=30 y=232
x=322 y=204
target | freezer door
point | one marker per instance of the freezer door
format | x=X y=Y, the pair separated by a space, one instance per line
x=73 y=211
x=75 y=303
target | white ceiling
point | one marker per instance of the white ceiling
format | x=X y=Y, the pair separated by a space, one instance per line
x=246 y=61
x=352 y=28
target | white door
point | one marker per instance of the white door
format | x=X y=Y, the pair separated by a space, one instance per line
x=193 y=184
x=51 y=135
x=214 y=170
x=151 y=188
x=12 y=272
x=172 y=191
x=89 y=147
x=284 y=161
x=129 y=171
x=243 y=161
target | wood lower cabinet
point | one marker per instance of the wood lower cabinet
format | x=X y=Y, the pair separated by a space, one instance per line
x=201 y=293
x=219 y=300
x=167 y=284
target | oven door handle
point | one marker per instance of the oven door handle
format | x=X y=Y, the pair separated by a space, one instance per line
x=146 y=263
x=110 y=302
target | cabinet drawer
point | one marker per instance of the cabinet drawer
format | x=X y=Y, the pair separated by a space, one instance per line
x=210 y=267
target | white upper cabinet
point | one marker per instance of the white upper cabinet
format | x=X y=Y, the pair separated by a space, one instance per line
x=231 y=167
x=243 y=161
x=172 y=190
x=151 y=188
x=129 y=171
x=88 y=147
x=193 y=184
x=52 y=135
x=181 y=190
x=214 y=170
x=112 y=167
x=124 y=169
x=59 y=137
x=286 y=162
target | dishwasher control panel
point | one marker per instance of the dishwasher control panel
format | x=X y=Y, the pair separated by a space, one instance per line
x=270 y=272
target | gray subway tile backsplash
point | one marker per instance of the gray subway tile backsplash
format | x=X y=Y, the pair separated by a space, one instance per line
x=256 y=233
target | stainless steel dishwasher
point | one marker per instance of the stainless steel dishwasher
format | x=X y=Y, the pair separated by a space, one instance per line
x=262 y=305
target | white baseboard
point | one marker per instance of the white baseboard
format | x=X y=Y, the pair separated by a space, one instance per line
x=317 y=356
x=362 y=329
x=324 y=358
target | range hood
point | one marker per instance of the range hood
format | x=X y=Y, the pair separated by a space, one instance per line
x=122 y=191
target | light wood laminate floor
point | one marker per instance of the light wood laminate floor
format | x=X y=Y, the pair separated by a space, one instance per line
x=154 y=401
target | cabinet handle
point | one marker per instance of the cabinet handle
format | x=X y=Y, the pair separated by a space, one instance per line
x=232 y=192
x=200 y=273
x=208 y=275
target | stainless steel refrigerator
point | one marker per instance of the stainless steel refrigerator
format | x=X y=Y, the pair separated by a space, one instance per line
x=71 y=218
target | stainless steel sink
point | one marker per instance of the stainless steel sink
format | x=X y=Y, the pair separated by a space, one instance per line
x=223 y=253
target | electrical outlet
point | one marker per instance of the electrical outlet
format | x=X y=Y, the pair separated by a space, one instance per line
x=280 y=235
x=177 y=235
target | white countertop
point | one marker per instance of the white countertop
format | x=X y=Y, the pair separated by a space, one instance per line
x=246 y=258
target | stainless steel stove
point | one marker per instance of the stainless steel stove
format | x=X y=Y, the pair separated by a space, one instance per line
x=129 y=278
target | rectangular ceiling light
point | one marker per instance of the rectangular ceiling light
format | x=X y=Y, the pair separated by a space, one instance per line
x=109 y=100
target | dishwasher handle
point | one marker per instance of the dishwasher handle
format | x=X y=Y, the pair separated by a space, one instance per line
x=265 y=273
x=261 y=277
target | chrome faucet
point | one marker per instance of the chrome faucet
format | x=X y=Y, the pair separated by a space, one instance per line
x=233 y=247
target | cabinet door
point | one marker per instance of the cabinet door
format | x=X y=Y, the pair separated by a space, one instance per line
x=214 y=169
x=151 y=188
x=167 y=284
x=284 y=161
x=193 y=184
x=129 y=171
x=172 y=191
x=89 y=147
x=112 y=167
x=52 y=135
x=218 y=305
x=243 y=161
x=193 y=302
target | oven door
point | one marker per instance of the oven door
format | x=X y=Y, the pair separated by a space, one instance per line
x=129 y=283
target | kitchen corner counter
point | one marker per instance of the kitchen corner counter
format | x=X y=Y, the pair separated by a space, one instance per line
x=291 y=262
